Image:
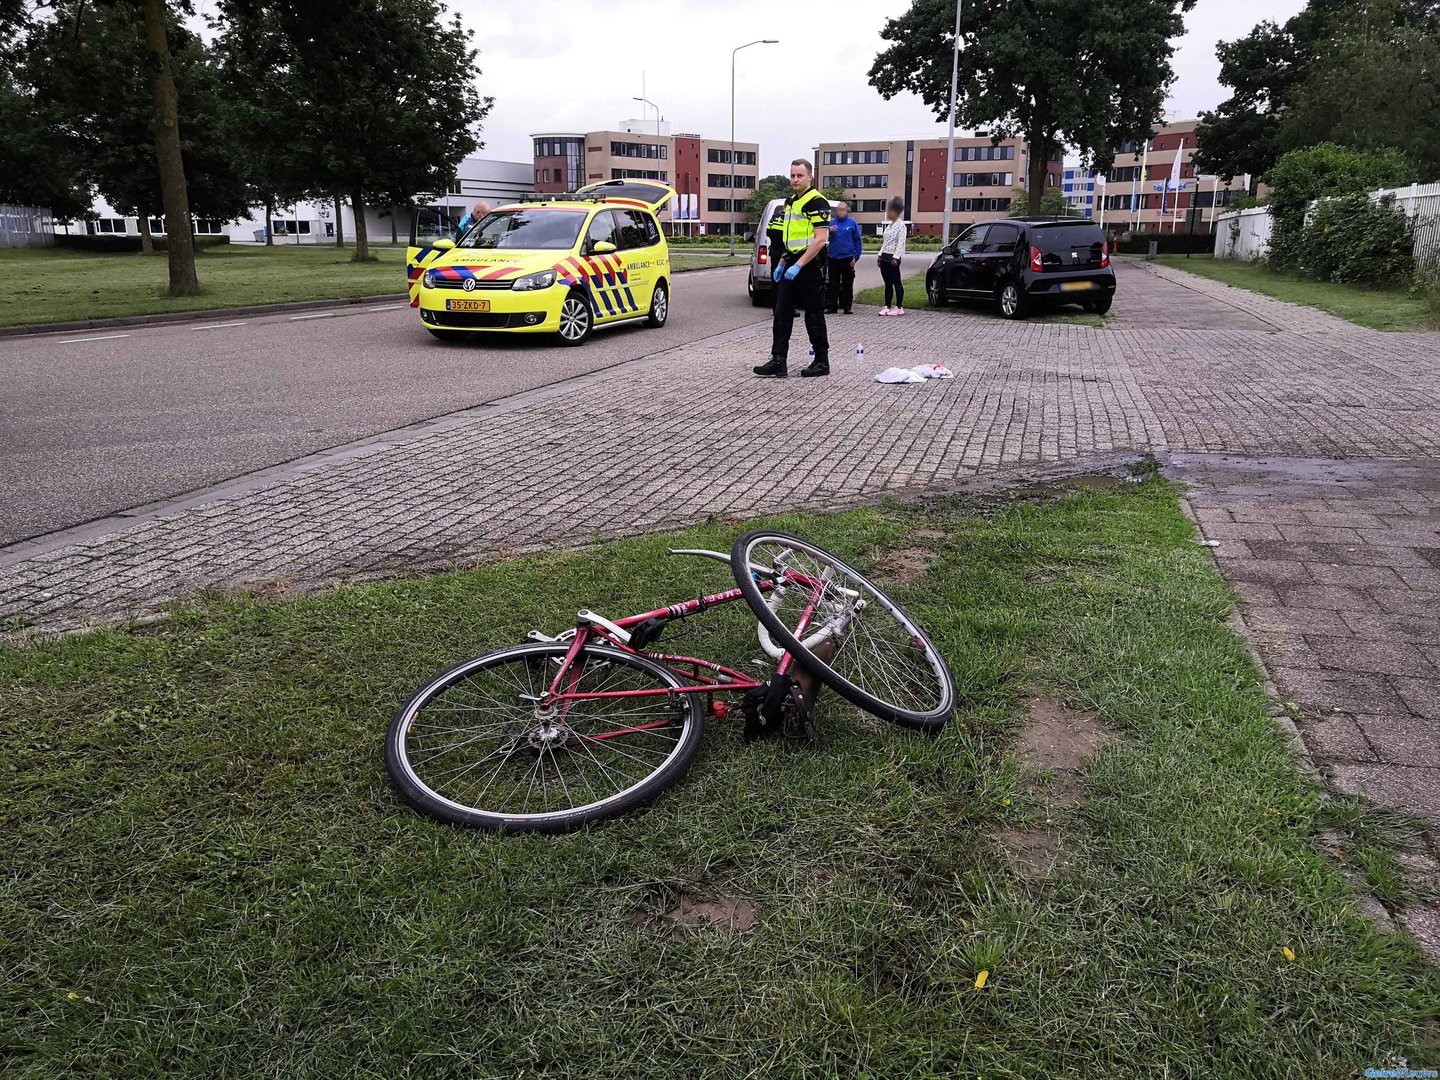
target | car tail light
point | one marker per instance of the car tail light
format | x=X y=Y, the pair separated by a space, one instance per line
x=1104 y=255
x=1035 y=259
x=764 y=255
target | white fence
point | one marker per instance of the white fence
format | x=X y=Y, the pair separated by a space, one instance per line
x=1245 y=234
x=24 y=225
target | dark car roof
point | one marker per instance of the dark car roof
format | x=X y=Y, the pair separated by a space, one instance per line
x=1043 y=221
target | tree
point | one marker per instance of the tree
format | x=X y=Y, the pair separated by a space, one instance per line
x=39 y=165
x=773 y=186
x=1303 y=176
x=1088 y=73
x=1354 y=72
x=383 y=94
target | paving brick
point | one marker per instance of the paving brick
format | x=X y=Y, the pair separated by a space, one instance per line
x=1403 y=739
x=1370 y=657
x=1402 y=601
x=1356 y=577
x=1271 y=571
x=1397 y=785
x=1421 y=696
x=1336 y=737
x=1327 y=692
x=1325 y=597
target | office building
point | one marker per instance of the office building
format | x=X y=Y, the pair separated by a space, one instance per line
x=1152 y=202
x=698 y=168
x=984 y=176
x=1078 y=187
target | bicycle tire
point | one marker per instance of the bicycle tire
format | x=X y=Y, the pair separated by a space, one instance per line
x=930 y=719
x=424 y=798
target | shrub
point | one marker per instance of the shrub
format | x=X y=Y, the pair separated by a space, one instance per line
x=1355 y=239
x=1324 y=170
x=112 y=245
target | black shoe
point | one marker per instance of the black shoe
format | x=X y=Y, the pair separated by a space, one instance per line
x=831 y=311
x=815 y=370
x=849 y=312
x=775 y=369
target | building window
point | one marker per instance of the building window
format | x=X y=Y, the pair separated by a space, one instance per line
x=984 y=179
x=985 y=153
x=719 y=180
x=157 y=226
x=979 y=206
x=877 y=180
x=208 y=226
x=718 y=205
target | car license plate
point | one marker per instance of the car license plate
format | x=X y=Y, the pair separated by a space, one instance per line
x=1075 y=286
x=467 y=305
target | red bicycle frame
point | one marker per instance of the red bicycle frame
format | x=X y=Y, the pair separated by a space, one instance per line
x=704 y=676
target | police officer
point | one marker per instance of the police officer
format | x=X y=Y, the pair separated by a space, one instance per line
x=798 y=233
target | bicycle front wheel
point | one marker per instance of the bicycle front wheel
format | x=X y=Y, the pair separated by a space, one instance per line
x=483 y=746
x=878 y=656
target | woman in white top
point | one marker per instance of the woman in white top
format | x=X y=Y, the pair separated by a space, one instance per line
x=892 y=250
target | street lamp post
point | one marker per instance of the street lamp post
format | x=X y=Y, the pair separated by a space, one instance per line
x=950 y=143
x=733 y=53
x=658 y=118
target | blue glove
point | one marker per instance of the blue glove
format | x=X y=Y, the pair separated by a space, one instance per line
x=794 y=270
x=779 y=269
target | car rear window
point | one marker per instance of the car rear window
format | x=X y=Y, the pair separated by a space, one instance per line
x=1065 y=237
x=527 y=230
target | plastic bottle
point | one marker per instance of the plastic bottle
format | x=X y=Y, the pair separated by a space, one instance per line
x=860 y=352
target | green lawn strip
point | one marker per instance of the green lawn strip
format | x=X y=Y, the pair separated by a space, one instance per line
x=682 y=259
x=51 y=285
x=915 y=293
x=208 y=873
x=1380 y=307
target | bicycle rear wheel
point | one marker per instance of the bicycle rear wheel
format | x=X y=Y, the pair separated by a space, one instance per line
x=478 y=746
x=882 y=661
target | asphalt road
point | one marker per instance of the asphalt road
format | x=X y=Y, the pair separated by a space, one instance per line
x=96 y=422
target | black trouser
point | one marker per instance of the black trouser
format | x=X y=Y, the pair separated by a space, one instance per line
x=806 y=292
x=842 y=285
x=890 y=274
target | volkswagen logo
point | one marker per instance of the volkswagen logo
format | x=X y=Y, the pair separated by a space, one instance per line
x=469 y=285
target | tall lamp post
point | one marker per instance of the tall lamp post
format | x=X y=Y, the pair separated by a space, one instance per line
x=733 y=53
x=658 y=118
x=950 y=143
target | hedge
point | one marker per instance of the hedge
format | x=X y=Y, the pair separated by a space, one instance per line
x=114 y=245
x=1168 y=244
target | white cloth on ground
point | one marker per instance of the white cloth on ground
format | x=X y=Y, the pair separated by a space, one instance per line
x=899 y=375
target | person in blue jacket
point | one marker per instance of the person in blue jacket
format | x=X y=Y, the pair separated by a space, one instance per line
x=844 y=253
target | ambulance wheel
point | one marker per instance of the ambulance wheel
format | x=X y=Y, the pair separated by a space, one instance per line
x=659 y=306
x=577 y=320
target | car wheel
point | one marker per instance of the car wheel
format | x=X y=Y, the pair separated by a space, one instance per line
x=447 y=335
x=1012 y=301
x=576 y=319
x=1100 y=307
x=756 y=298
x=659 y=306
x=933 y=292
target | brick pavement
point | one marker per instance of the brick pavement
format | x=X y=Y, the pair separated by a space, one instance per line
x=1313 y=448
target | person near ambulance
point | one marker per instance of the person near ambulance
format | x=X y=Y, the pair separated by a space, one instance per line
x=843 y=254
x=477 y=213
x=799 y=230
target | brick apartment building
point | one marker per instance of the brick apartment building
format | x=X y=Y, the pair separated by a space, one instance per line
x=695 y=166
x=1133 y=201
x=985 y=175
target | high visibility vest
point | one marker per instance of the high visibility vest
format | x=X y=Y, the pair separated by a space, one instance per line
x=797 y=230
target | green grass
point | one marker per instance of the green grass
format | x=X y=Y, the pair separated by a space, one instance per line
x=208 y=874
x=48 y=285
x=915 y=294
x=1379 y=307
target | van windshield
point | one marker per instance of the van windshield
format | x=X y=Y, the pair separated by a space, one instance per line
x=1056 y=238
x=529 y=230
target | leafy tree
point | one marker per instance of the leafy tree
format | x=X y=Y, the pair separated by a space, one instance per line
x=834 y=192
x=1356 y=72
x=1303 y=176
x=383 y=93
x=1053 y=204
x=39 y=165
x=1088 y=73
x=770 y=187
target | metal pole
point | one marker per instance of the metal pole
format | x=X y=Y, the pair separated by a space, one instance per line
x=733 y=53
x=950 y=142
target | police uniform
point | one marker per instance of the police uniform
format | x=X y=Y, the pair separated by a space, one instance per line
x=791 y=229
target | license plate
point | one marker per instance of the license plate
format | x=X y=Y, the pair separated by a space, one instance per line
x=1075 y=286
x=467 y=305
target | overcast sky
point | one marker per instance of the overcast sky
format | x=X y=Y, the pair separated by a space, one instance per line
x=573 y=66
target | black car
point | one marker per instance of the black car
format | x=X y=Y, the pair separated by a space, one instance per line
x=1024 y=264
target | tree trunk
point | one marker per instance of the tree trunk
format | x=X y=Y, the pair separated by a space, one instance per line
x=362 y=241
x=339 y=226
x=147 y=242
x=1039 y=163
x=394 y=213
x=269 y=221
x=179 y=243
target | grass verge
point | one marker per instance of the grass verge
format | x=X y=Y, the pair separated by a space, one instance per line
x=47 y=285
x=1380 y=307
x=209 y=875
x=915 y=293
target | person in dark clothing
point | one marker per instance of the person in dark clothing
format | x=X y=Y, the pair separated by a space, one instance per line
x=843 y=255
x=799 y=230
